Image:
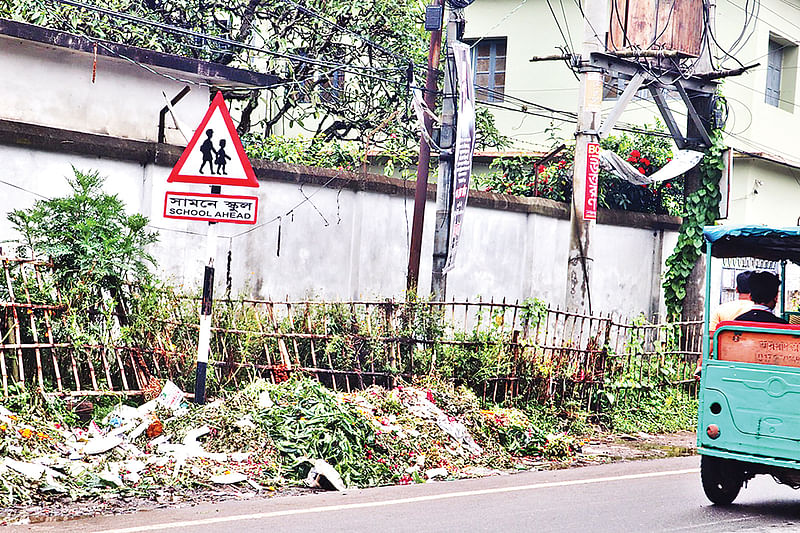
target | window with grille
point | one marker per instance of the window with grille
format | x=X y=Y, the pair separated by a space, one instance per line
x=489 y=60
x=331 y=86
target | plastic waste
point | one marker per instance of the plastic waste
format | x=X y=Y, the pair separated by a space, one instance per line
x=323 y=476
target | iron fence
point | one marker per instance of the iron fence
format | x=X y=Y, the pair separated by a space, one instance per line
x=503 y=350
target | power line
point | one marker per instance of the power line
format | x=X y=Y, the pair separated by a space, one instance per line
x=619 y=126
x=24 y=189
x=506 y=17
x=558 y=25
x=306 y=199
x=566 y=23
x=320 y=16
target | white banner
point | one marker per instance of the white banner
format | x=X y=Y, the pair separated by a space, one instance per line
x=464 y=147
x=682 y=161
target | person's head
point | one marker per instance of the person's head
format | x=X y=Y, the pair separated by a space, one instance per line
x=743 y=284
x=764 y=288
x=209 y=132
x=222 y=143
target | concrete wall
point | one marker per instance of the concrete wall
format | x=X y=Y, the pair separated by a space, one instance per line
x=120 y=103
x=343 y=235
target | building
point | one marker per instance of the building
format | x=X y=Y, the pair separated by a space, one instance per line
x=762 y=103
x=762 y=111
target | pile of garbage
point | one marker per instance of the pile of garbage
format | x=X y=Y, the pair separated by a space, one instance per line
x=264 y=436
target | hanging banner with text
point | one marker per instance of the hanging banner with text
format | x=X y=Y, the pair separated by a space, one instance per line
x=592 y=181
x=211 y=207
x=464 y=147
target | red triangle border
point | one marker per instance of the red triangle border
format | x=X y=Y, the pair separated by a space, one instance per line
x=177 y=176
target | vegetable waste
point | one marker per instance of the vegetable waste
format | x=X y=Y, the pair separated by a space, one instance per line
x=262 y=437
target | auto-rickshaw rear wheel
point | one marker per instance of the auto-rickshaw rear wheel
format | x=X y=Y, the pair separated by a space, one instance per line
x=722 y=479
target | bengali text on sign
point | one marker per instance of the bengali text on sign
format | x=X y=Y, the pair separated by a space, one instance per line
x=211 y=207
x=592 y=181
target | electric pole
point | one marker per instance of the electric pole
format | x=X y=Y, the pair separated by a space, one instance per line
x=444 y=188
x=423 y=164
x=583 y=211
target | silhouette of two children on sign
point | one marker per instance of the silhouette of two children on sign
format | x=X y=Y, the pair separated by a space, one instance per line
x=208 y=151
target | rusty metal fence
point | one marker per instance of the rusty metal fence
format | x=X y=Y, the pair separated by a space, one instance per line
x=503 y=350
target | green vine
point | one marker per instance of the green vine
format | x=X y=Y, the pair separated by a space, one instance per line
x=702 y=209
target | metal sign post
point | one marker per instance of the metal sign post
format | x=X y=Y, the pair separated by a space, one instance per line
x=216 y=159
x=204 y=341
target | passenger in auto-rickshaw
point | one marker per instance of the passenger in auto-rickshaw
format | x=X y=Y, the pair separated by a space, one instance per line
x=734 y=308
x=764 y=295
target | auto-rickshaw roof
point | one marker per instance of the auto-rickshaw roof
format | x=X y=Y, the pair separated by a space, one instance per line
x=761 y=242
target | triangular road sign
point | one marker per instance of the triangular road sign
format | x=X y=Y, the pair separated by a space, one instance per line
x=215 y=155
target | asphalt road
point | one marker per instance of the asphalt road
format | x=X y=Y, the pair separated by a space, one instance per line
x=654 y=496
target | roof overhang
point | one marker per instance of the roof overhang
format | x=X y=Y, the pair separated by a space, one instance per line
x=769 y=157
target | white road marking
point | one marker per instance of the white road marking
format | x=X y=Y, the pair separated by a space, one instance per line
x=709 y=525
x=399 y=501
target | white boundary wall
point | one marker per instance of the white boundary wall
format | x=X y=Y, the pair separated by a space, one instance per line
x=349 y=240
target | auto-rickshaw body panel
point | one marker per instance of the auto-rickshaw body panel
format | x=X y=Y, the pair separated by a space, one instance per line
x=754 y=407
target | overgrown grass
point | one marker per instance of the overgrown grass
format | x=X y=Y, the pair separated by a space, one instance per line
x=657 y=412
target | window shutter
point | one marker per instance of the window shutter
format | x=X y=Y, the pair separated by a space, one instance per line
x=774 y=63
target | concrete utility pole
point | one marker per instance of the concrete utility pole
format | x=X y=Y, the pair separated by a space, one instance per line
x=421 y=191
x=590 y=100
x=444 y=186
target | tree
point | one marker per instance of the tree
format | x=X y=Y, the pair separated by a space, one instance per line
x=346 y=65
x=345 y=83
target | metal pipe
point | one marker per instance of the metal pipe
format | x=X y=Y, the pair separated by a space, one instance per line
x=162 y=137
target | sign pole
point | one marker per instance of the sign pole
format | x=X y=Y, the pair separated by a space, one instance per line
x=204 y=341
x=214 y=156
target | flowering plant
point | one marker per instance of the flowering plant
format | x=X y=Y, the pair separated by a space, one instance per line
x=648 y=152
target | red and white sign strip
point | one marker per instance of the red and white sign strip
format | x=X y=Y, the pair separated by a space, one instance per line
x=211 y=207
x=592 y=181
x=214 y=155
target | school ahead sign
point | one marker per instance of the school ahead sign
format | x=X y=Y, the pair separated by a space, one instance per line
x=214 y=155
x=211 y=207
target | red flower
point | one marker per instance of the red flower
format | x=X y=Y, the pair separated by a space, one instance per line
x=641 y=170
x=635 y=153
x=645 y=161
x=668 y=185
x=540 y=168
x=632 y=159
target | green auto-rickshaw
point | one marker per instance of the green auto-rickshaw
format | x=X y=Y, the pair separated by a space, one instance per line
x=749 y=396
